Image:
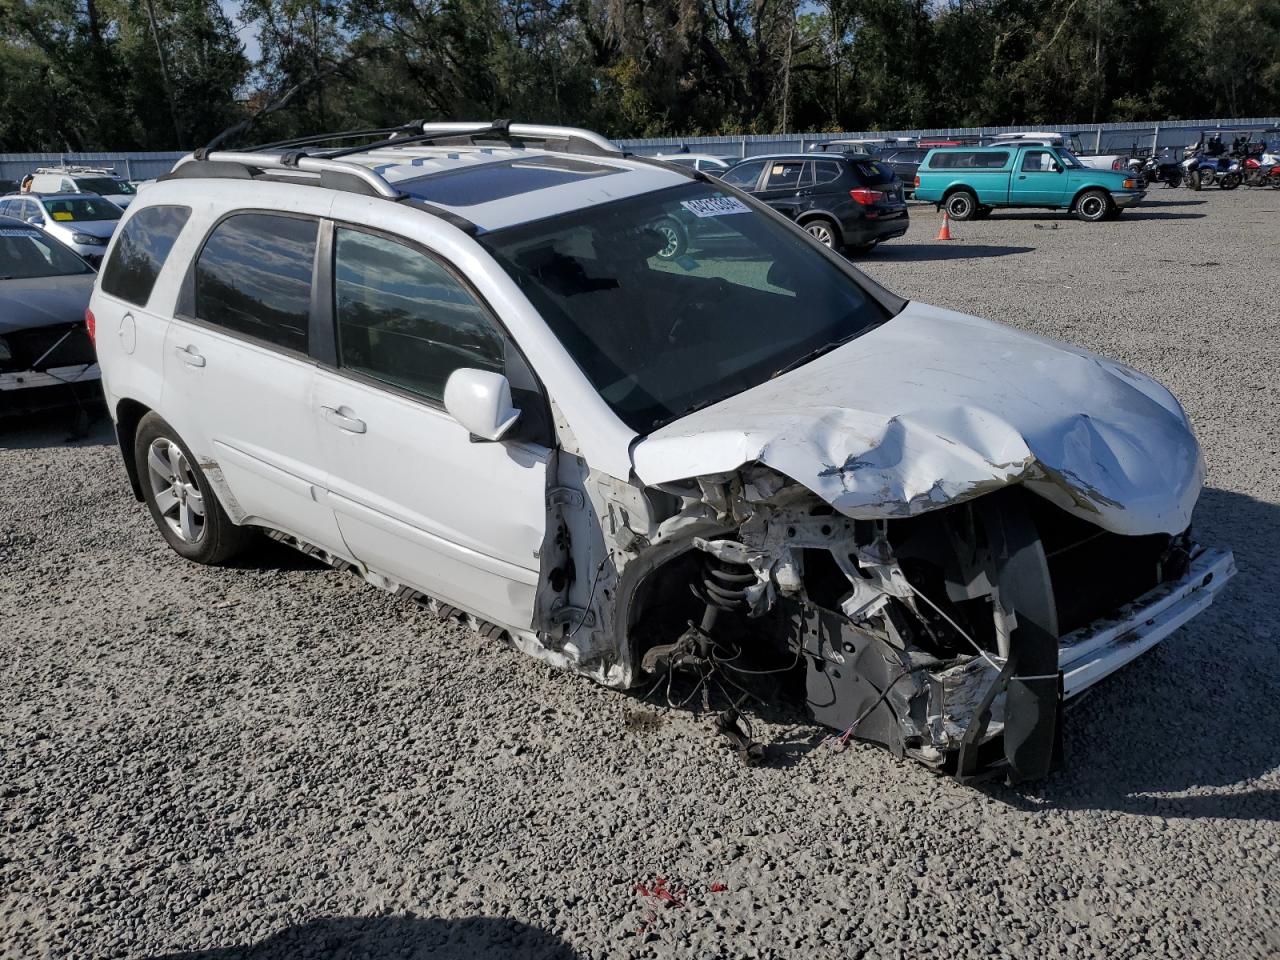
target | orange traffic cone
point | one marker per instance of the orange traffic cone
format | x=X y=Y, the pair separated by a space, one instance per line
x=945 y=232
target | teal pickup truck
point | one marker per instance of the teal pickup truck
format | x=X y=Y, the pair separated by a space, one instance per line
x=970 y=182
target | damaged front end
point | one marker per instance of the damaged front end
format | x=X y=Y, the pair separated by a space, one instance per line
x=954 y=636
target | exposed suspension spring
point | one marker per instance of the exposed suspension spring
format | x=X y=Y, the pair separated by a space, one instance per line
x=724 y=584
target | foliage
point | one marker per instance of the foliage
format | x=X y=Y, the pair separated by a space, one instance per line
x=155 y=74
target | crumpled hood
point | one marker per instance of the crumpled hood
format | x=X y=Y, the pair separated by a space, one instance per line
x=43 y=301
x=935 y=407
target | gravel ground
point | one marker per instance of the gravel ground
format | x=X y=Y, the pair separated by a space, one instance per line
x=276 y=761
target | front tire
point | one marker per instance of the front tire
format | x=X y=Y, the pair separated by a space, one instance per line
x=183 y=505
x=961 y=205
x=1229 y=181
x=1093 y=206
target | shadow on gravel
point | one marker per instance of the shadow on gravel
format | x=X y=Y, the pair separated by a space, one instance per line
x=1180 y=728
x=271 y=555
x=84 y=426
x=404 y=938
x=922 y=252
x=1136 y=213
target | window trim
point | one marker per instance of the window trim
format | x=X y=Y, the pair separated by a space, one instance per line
x=185 y=308
x=328 y=311
x=806 y=167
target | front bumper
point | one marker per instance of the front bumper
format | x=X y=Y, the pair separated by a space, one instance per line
x=1010 y=721
x=50 y=377
x=91 y=252
x=1100 y=649
x=31 y=391
x=1127 y=199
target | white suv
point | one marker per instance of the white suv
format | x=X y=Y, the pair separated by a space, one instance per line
x=462 y=361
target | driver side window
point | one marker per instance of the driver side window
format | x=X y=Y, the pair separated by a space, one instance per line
x=404 y=319
x=1038 y=161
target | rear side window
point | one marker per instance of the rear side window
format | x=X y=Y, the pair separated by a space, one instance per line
x=254 y=277
x=404 y=319
x=970 y=159
x=140 y=252
x=872 y=172
x=827 y=171
x=744 y=175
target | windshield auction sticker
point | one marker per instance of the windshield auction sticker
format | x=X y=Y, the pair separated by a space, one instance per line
x=715 y=206
x=10 y=232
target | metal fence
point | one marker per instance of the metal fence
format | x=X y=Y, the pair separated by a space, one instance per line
x=1100 y=138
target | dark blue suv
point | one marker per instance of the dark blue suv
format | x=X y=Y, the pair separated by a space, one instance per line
x=846 y=200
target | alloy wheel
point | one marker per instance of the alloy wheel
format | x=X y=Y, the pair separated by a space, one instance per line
x=175 y=491
x=822 y=233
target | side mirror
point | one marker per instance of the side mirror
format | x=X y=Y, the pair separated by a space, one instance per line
x=480 y=400
x=1058 y=168
x=36 y=220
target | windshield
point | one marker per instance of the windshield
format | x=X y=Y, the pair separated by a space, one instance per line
x=1069 y=158
x=673 y=300
x=29 y=253
x=105 y=185
x=79 y=209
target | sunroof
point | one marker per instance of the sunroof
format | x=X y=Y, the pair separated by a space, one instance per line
x=495 y=181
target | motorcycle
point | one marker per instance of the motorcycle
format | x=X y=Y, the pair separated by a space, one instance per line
x=1157 y=169
x=1193 y=177
x=1262 y=171
x=1201 y=170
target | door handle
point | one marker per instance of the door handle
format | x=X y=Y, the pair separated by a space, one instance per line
x=190 y=356
x=1022 y=176
x=342 y=421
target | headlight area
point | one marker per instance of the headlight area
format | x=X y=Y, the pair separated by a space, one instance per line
x=88 y=240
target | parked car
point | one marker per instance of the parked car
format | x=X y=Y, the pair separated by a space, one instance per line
x=490 y=394
x=707 y=162
x=1067 y=141
x=82 y=222
x=845 y=201
x=872 y=146
x=100 y=180
x=46 y=358
x=905 y=162
x=970 y=182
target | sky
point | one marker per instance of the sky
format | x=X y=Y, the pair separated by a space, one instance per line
x=248 y=36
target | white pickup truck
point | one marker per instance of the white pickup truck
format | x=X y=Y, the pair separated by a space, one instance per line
x=1071 y=141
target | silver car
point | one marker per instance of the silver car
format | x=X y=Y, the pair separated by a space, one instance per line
x=80 y=221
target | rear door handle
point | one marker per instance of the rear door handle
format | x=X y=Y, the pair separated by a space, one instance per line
x=190 y=356
x=342 y=421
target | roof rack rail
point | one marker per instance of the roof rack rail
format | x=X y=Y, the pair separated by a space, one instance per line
x=412 y=127
x=292 y=160
x=341 y=174
x=556 y=139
